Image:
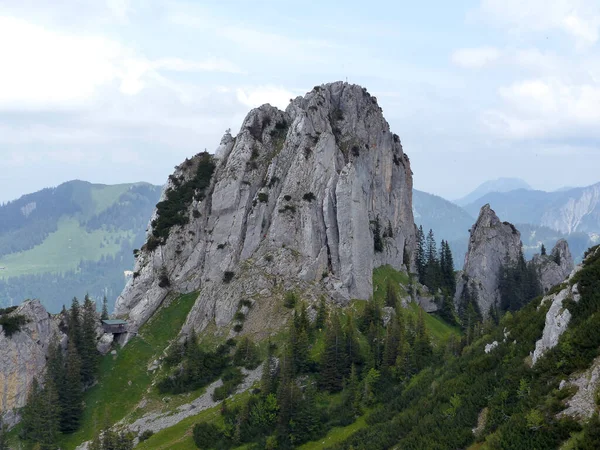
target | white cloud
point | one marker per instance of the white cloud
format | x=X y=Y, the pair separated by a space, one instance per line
x=579 y=19
x=475 y=58
x=45 y=69
x=120 y=9
x=546 y=108
x=256 y=96
x=208 y=65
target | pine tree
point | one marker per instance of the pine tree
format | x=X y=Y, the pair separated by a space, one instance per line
x=432 y=264
x=333 y=358
x=267 y=380
x=391 y=298
x=392 y=342
x=422 y=347
x=104 y=315
x=421 y=261
x=74 y=322
x=88 y=352
x=353 y=353
x=72 y=406
x=48 y=417
x=299 y=340
x=321 y=314
x=543 y=250
x=351 y=398
x=28 y=413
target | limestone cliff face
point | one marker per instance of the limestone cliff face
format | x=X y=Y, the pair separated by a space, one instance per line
x=23 y=355
x=492 y=243
x=555 y=267
x=312 y=198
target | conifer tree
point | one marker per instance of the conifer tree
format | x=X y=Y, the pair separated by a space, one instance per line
x=543 y=250
x=48 y=417
x=353 y=354
x=333 y=359
x=422 y=348
x=391 y=298
x=392 y=342
x=104 y=315
x=72 y=406
x=75 y=323
x=321 y=314
x=420 y=260
x=29 y=413
x=88 y=352
x=267 y=380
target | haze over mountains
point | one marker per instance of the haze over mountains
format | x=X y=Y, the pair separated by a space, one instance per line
x=79 y=237
x=71 y=240
x=541 y=217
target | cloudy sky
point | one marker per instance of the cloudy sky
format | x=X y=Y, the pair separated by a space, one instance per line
x=123 y=90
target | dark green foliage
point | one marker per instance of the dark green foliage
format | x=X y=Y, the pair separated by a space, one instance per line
x=72 y=392
x=173 y=210
x=263 y=197
x=88 y=352
x=195 y=367
x=309 y=197
x=321 y=314
x=591 y=435
x=333 y=361
x=391 y=297
x=246 y=354
x=207 y=436
x=519 y=284
x=274 y=180
x=543 y=250
x=111 y=440
x=377 y=240
x=74 y=323
x=228 y=276
x=290 y=300
x=420 y=260
x=104 y=315
x=196 y=214
x=146 y=435
x=287 y=198
x=12 y=324
x=40 y=417
x=232 y=377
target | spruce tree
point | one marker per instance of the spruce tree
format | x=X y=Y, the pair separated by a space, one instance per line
x=88 y=352
x=543 y=250
x=72 y=406
x=421 y=262
x=391 y=298
x=29 y=414
x=333 y=358
x=422 y=347
x=267 y=380
x=104 y=315
x=74 y=323
x=321 y=314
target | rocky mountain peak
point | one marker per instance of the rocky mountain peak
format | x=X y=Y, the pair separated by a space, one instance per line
x=309 y=199
x=555 y=267
x=23 y=355
x=492 y=243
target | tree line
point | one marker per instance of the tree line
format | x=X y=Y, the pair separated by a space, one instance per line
x=55 y=404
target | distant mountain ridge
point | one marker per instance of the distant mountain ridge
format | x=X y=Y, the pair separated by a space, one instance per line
x=497 y=185
x=71 y=239
x=524 y=208
x=570 y=211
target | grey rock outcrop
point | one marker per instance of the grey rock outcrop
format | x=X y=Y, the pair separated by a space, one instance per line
x=554 y=268
x=23 y=355
x=558 y=316
x=492 y=243
x=296 y=201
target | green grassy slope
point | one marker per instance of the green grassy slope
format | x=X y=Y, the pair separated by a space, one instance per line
x=124 y=378
x=63 y=250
